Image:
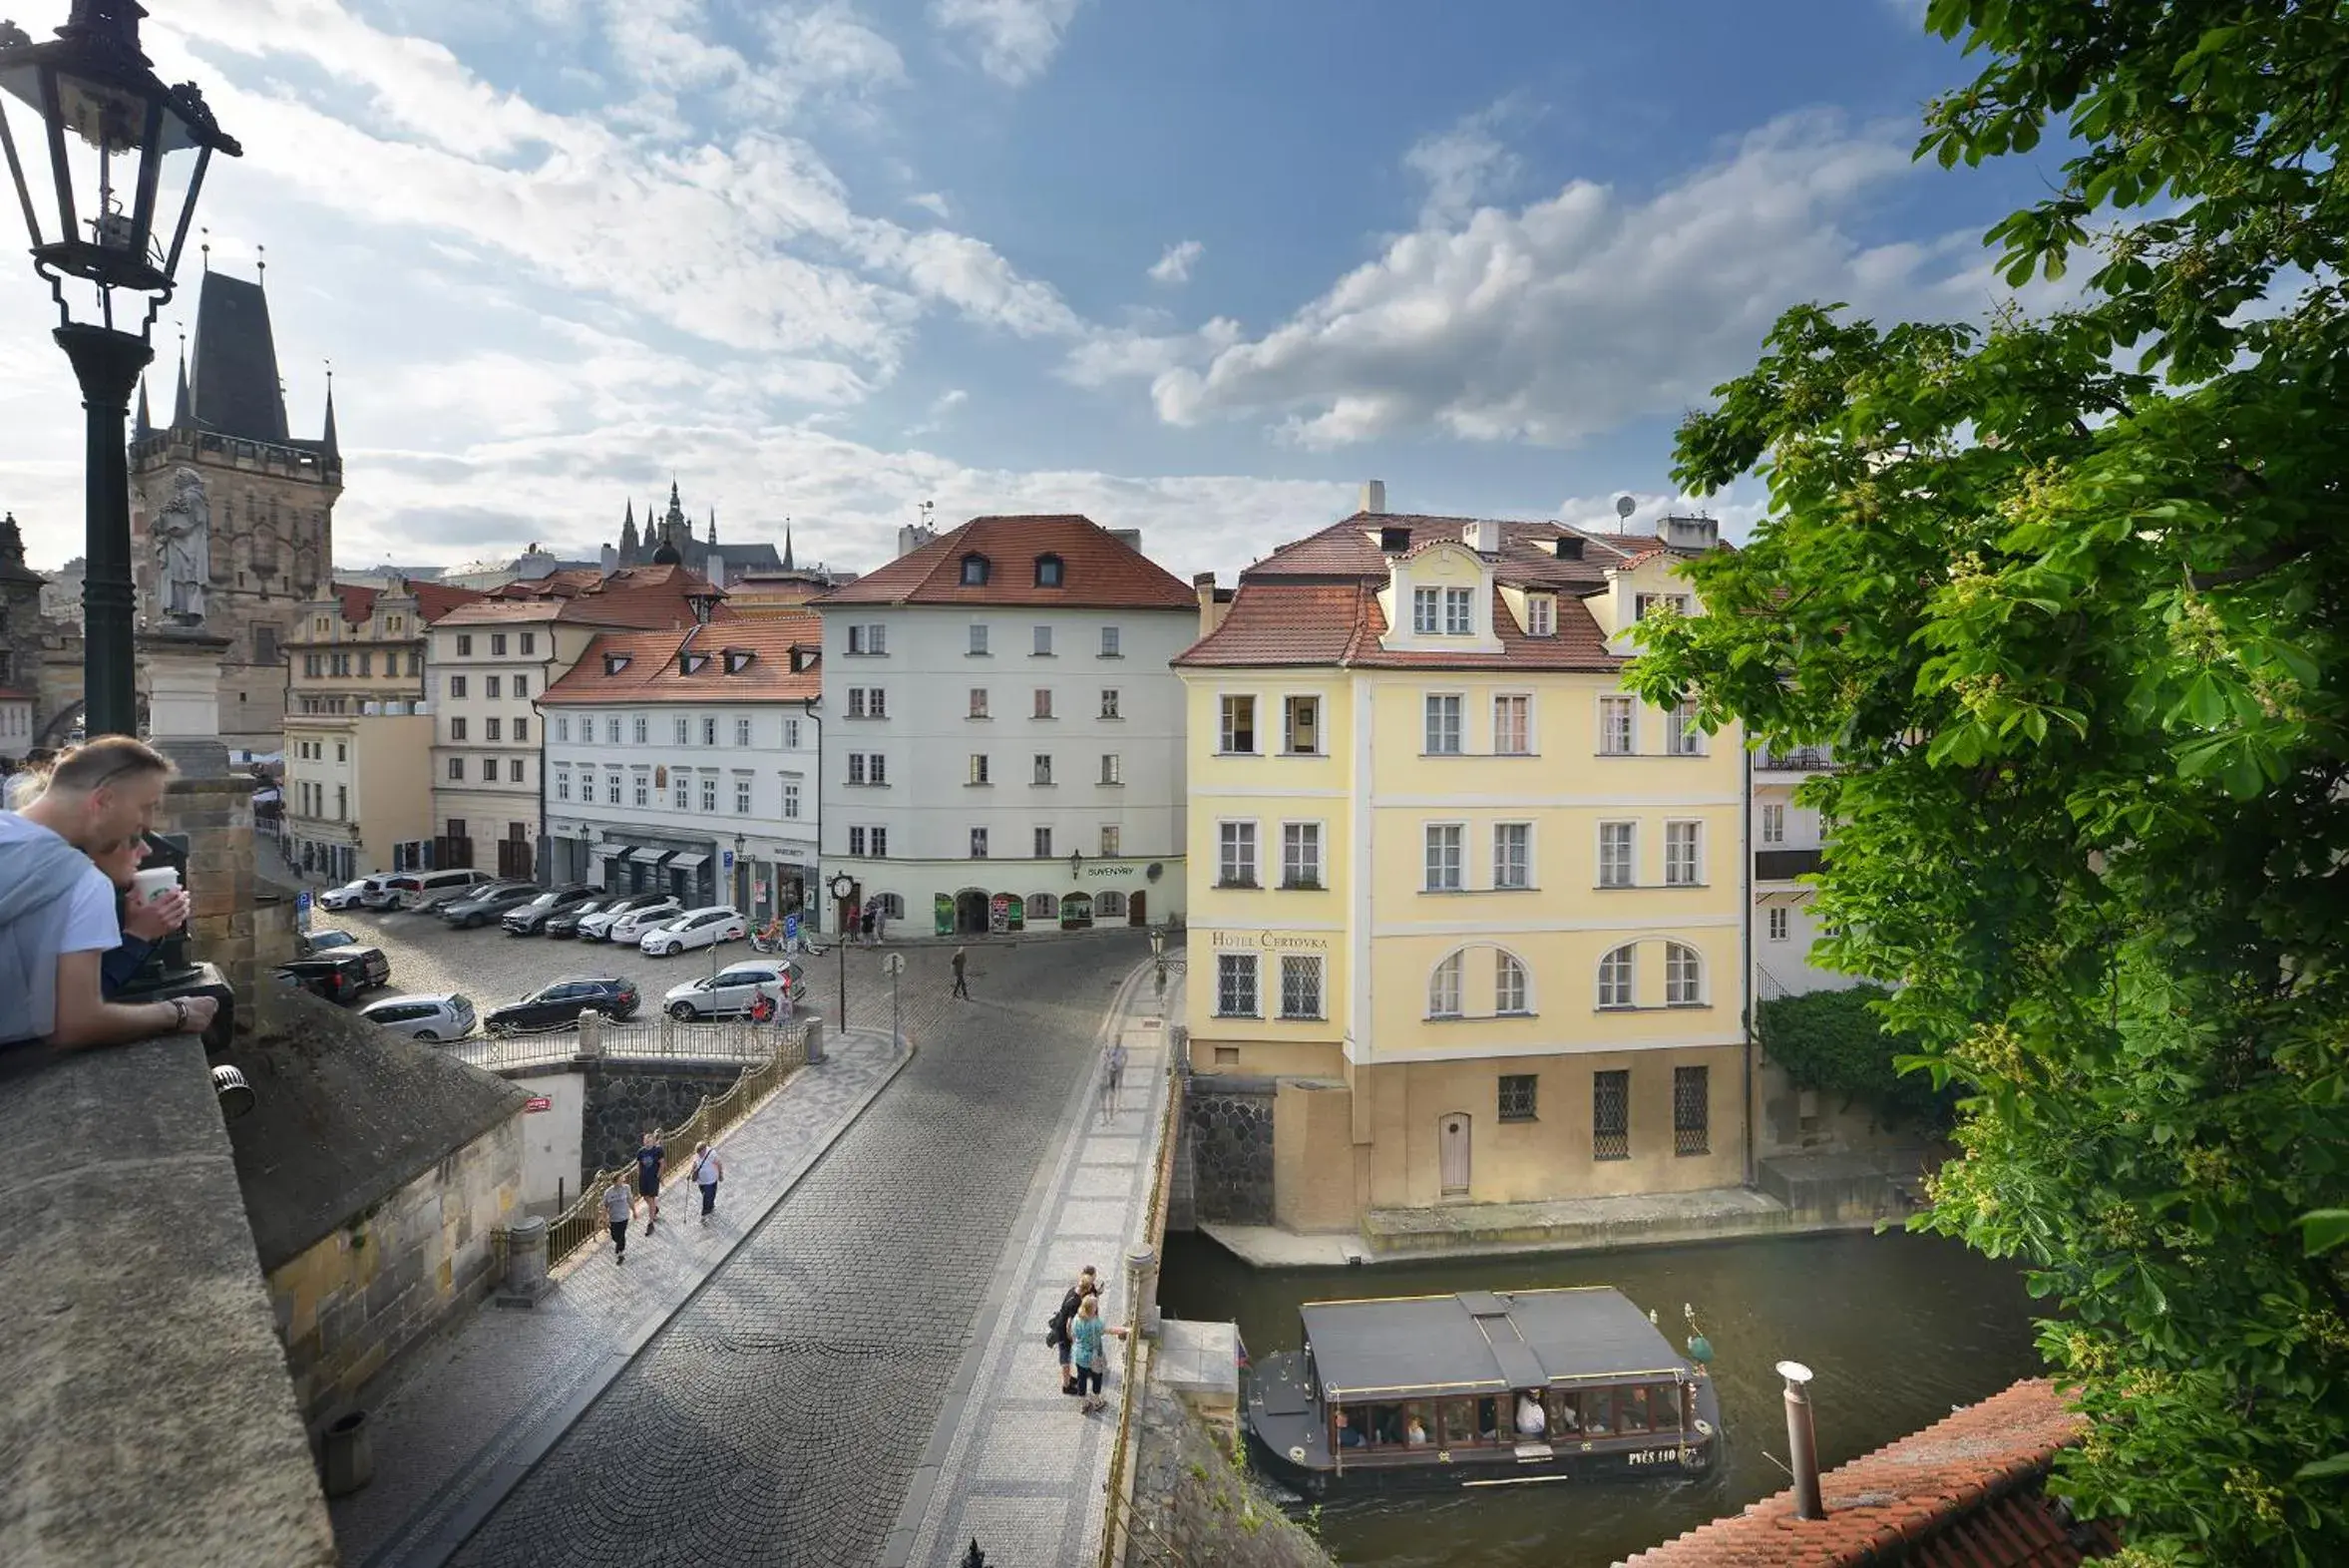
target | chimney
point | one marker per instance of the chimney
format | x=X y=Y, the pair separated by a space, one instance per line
x=1394 y=538
x=1374 y=496
x=912 y=537
x=1211 y=609
x=1483 y=536
x=713 y=566
x=1130 y=538
x=1801 y=1441
x=1568 y=545
x=1697 y=532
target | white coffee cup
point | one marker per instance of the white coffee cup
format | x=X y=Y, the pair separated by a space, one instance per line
x=155 y=881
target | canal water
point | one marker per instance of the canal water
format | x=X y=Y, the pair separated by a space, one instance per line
x=1897 y=1327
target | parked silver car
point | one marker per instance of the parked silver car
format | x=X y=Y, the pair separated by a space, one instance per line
x=728 y=992
x=447 y=1015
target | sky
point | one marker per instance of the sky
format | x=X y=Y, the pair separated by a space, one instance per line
x=1197 y=268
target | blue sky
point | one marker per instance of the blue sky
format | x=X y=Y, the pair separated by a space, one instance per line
x=1196 y=267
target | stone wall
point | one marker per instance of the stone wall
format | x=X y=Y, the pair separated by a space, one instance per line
x=1227 y=1148
x=624 y=1102
x=357 y=1297
x=216 y=817
x=1195 y=1502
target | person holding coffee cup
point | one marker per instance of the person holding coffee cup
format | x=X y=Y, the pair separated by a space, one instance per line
x=153 y=906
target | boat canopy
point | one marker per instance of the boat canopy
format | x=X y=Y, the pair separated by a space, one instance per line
x=1477 y=1341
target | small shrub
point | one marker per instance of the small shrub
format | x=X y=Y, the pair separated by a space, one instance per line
x=1835 y=1042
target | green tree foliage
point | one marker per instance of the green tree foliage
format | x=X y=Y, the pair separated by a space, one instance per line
x=1836 y=1042
x=2067 y=594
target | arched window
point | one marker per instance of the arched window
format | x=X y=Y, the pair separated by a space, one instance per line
x=890 y=906
x=1076 y=909
x=1616 y=977
x=1110 y=905
x=1684 y=975
x=974 y=569
x=1443 y=990
x=1508 y=984
x=1042 y=906
x=1047 y=572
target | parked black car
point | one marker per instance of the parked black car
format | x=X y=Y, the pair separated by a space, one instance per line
x=564 y=924
x=560 y=1002
x=342 y=975
x=529 y=919
x=492 y=902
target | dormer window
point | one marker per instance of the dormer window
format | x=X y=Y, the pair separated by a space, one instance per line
x=692 y=663
x=613 y=663
x=1541 y=615
x=738 y=660
x=974 y=569
x=1047 y=572
x=1450 y=612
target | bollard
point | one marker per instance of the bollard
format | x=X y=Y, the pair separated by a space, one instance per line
x=526 y=1256
x=349 y=1458
x=815 y=1052
x=1801 y=1441
x=590 y=1034
x=1141 y=1290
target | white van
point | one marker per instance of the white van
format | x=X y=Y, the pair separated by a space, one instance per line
x=423 y=890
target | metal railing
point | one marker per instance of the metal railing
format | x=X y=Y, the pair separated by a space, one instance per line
x=1117 y=1506
x=783 y=1051
x=1794 y=760
x=660 y=1038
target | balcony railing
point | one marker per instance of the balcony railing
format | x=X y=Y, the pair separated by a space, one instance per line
x=1793 y=759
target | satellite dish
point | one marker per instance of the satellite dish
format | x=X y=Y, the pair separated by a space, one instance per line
x=1625 y=506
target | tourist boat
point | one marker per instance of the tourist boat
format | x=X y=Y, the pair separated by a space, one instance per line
x=1480 y=1390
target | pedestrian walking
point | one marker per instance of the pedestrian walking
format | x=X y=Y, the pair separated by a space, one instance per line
x=1057 y=1335
x=880 y=924
x=650 y=1158
x=865 y=927
x=1087 y=1332
x=762 y=1006
x=708 y=1171
x=1113 y=1081
x=961 y=985
x=617 y=1209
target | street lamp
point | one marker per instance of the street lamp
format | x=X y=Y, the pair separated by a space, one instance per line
x=842 y=885
x=92 y=171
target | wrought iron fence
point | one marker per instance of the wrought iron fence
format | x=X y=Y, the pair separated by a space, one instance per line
x=783 y=1051
x=660 y=1037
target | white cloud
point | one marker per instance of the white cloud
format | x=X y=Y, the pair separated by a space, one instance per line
x=1175 y=266
x=1016 y=39
x=1586 y=309
x=1125 y=354
x=952 y=398
x=929 y=201
x=1463 y=166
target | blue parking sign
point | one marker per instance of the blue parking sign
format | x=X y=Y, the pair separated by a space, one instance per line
x=301 y=908
x=791 y=928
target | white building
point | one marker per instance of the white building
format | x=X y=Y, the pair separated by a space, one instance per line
x=1787 y=845
x=685 y=762
x=1005 y=740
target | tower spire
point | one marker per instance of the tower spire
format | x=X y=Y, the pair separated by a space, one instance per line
x=144 y=427
x=713 y=527
x=787 y=545
x=181 y=415
x=333 y=452
x=627 y=536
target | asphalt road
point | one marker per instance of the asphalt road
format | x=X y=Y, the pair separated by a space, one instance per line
x=780 y=1416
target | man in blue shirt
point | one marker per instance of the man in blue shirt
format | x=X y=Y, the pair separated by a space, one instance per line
x=650 y=1157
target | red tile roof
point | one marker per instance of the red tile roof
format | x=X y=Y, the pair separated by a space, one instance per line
x=357 y=603
x=433 y=601
x=654 y=673
x=1966 y=1492
x=645 y=596
x=1528 y=556
x=1099 y=570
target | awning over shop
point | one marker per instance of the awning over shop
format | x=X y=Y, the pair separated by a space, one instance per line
x=689 y=863
x=655 y=859
x=612 y=854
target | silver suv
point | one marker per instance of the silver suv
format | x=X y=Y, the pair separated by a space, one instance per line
x=728 y=992
x=446 y=1016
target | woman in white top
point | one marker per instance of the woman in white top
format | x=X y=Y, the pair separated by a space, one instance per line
x=1531 y=1422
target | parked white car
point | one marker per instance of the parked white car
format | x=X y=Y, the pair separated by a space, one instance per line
x=426 y=890
x=702 y=928
x=445 y=1016
x=628 y=925
x=354 y=893
x=728 y=992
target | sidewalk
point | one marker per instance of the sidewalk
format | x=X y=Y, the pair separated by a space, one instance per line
x=475 y=1411
x=1015 y=1464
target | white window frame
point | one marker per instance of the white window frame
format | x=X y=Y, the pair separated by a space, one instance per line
x=1618 y=982
x=1541 y=615
x=1684 y=975
x=1110 y=703
x=1040 y=843
x=978 y=843
x=1524 y=867
x=1226 y=731
x=641 y=730
x=1303 y=964
x=742 y=729
x=1457 y=851
x=1683 y=735
x=1230 y=966
x=1629 y=860
x=1231 y=835
x=977 y=702
x=1777 y=923
x=1618 y=719
x=1506 y=967
x=978 y=769
x=1444 y=998
x=1524 y=735
x=1459 y=613
x=790 y=798
x=1110 y=641
x=1306 y=835
x=1774 y=823
x=1112 y=768
x=1426 y=611
x=1684 y=853
x=1431 y=705
x=977 y=647
x=1044 y=640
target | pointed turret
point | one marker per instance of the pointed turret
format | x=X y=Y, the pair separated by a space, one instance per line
x=142 y=427
x=787 y=545
x=180 y=419
x=12 y=542
x=326 y=444
x=713 y=527
x=627 y=536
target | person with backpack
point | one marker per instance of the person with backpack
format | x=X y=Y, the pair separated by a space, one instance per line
x=1056 y=1330
x=708 y=1171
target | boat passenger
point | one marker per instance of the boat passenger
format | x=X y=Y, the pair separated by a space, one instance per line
x=1347 y=1437
x=1531 y=1422
x=1414 y=1431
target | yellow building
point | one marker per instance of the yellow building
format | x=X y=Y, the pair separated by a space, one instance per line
x=358 y=732
x=1481 y=911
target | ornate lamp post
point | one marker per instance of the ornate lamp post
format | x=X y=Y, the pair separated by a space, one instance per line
x=843 y=886
x=89 y=131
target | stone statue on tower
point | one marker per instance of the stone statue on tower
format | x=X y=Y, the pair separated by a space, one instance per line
x=183 y=531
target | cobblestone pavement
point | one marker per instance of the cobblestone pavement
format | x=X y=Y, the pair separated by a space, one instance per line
x=1023 y=1471
x=460 y=1420
x=781 y=1416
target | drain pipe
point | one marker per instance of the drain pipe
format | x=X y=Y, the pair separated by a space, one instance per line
x=1801 y=1441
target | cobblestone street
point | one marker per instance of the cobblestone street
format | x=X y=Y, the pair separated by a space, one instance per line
x=780 y=1415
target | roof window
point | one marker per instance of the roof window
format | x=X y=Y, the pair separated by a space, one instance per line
x=1393 y=539
x=1568 y=545
x=1047 y=572
x=613 y=663
x=974 y=570
x=692 y=663
x=738 y=660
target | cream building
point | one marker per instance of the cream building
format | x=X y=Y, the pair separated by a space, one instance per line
x=358 y=735
x=1480 y=911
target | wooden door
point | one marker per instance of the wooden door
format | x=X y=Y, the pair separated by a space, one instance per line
x=1452 y=1154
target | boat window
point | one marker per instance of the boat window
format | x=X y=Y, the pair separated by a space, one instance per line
x=1598 y=1412
x=1631 y=1409
x=1351 y=1427
x=1386 y=1425
x=1564 y=1417
x=1414 y=1427
x=1461 y=1426
x=1664 y=1400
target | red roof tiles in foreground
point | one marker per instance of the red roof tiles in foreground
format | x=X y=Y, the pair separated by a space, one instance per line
x=1966 y=1492
x=1098 y=571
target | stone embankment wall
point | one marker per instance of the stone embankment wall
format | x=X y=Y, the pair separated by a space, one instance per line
x=1194 y=1503
x=627 y=1100
x=1224 y=1162
x=355 y=1299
